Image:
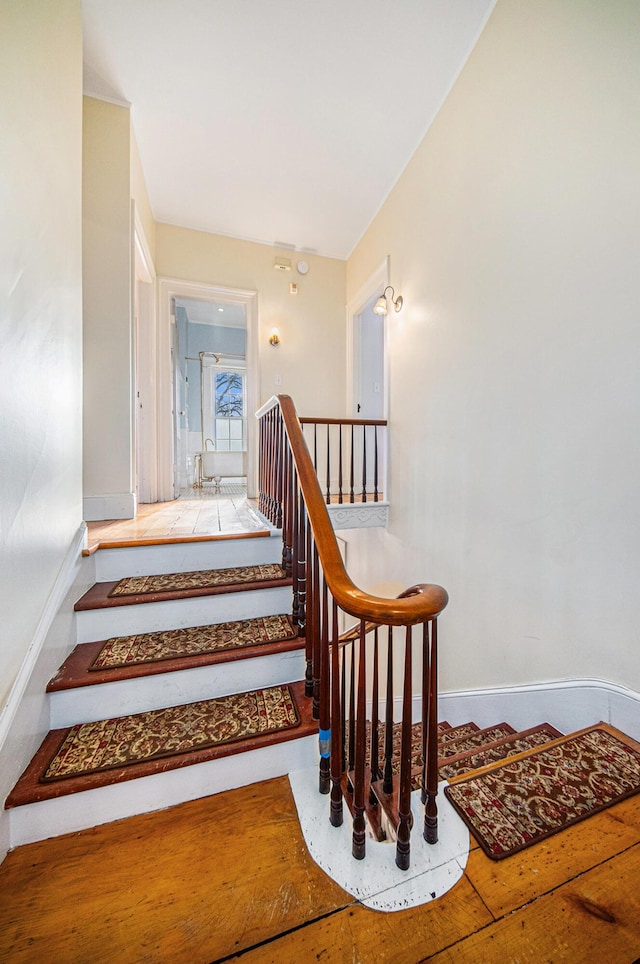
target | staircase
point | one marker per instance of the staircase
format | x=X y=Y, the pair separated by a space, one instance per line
x=81 y=693
x=84 y=691
x=462 y=749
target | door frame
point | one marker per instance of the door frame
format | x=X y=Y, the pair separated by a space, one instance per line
x=144 y=403
x=374 y=285
x=169 y=288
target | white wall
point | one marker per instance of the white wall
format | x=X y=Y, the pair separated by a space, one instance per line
x=40 y=311
x=513 y=236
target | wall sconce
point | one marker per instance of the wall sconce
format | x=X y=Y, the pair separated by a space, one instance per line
x=274 y=337
x=380 y=307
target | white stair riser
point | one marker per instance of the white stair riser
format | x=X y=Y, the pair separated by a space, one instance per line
x=87 y=703
x=95 y=624
x=185 y=557
x=78 y=811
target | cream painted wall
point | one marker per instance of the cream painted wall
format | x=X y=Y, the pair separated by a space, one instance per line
x=107 y=273
x=140 y=195
x=311 y=356
x=514 y=238
x=40 y=312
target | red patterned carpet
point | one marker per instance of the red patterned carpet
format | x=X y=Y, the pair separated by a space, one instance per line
x=195 y=640
x=525 y=800
x=107 y=744
x=200 y=579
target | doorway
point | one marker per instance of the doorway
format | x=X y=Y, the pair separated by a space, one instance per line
x=367 y=369
x=204 y=329
x=210 y=382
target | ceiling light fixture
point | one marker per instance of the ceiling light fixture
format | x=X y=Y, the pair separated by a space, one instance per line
x=380 y=307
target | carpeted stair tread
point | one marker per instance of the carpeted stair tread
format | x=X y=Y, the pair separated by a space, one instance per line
x=533 y=795
x=448 y=733
x=476 y=758
x=147 y=654
x=474 y=740
x=134 y=590
x=159 y=740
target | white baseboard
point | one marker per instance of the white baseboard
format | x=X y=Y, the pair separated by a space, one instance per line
x=117 y=505
x=24 y=719
x=566 y=704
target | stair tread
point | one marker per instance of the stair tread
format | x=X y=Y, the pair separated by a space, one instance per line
x=100 y=595
x=475 y=739
x=96 y=543
x=458 y=762
x=29 y=789
x=389 y=801
x=76 y=670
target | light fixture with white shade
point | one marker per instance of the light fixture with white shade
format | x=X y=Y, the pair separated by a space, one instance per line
x=380 y=307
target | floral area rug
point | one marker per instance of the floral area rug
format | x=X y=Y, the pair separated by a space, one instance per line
x=526 y=800
x=201 y=579
x=107 y=744
x=143 y=648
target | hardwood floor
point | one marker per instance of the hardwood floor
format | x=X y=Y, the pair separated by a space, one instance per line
x=197 y=515
x=228 y=877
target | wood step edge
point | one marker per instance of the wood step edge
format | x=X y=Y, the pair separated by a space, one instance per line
x=28 y=789
x=75 y=671
x=97 y=597
x=106 y=543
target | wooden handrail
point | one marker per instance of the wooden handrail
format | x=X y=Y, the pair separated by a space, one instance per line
x=418 y=604
x=304 y=420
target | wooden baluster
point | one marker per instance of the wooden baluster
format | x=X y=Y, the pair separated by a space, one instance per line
x=364 y=463
x=337 y=747
x=352 y=497
x=315 y=616
x=375 y=463
x=340 y=499
x=315 y=447
x=403 y=845
x=264 y=461
x=388 y=720
x=431 y=773
x=328 y=499
x=352 y=708
x=425 y=708
x=279 y=470
x=271 y=467
x=324 y=730
x=287 y=507
x=359 y=827
x=343 y=706
x=308 y=596
x=274 y=468
x=374 y=761
x=300 y=557
x=260 y=462
x=295 y=545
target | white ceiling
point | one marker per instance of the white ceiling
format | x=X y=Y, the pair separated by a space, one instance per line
x=223 y=314
x=282 y=121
